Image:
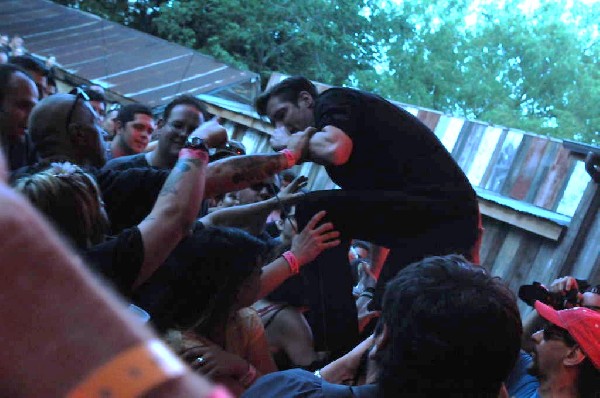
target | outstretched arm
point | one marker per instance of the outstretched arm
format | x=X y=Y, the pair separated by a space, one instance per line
x=251 y=217
x=178 y=203
x=306 y=246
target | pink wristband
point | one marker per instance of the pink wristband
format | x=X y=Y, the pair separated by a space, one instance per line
x=187 y=153
x=292 y=261
x=289 y=156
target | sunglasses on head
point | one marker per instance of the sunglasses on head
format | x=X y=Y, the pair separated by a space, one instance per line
x=79 y=93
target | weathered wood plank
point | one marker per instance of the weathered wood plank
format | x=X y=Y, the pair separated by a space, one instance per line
x=549 y=191
x=527 y=169
x=493 y=159
x=537 y=225
x=429 y=119
x=542 y=170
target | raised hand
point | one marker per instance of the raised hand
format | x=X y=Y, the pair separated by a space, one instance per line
x=298 y=143
x=212 y=132
x=564 y=285
x=312 y=240
x=279 y=138
x=289 y=194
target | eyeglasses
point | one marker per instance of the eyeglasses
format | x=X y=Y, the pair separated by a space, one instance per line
x=79 y=94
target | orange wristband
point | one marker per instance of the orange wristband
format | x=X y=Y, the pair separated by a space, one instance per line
x=131 y=373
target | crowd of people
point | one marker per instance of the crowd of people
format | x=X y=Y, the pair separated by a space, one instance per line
x=141 y=251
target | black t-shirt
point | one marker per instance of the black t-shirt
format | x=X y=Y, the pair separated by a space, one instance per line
x=392 y=149
x=119 y=259
x=127 y=162
x=21 y=152
x=129 y=195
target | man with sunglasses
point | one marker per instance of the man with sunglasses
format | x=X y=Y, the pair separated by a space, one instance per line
x=566 y=356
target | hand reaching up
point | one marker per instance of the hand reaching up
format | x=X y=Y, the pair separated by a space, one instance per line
x=313 y=239
x=291 y=193
x=212 y=132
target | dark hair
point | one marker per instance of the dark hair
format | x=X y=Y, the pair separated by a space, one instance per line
x=593 y=289
x=213 y=264
x=51 y=81
x=453 y=331
x=29 y=63
x=94 y=95
x=6 y=72
x=127 y=113
x=288 y=90
x=362 y=244
x=185 y=100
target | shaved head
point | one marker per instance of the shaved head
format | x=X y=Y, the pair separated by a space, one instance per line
x=79 y=142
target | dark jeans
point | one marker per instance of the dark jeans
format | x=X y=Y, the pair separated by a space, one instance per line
x=413 y=226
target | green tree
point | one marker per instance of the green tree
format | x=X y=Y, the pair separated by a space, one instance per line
x=535 y=71
x=325 y=40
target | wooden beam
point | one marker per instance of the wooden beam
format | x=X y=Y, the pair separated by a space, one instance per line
x=528 y=222
x=242 y=119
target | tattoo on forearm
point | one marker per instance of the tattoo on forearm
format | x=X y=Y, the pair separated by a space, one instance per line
x=253 y=169
x=180 y=169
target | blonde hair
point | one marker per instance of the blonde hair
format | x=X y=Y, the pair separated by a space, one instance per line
x=70 y=198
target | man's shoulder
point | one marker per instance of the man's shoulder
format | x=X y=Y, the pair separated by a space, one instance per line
x=287 y=383
x=127 y=162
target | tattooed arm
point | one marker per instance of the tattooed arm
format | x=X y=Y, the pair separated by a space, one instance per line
x=239 y=172
x=173 y=214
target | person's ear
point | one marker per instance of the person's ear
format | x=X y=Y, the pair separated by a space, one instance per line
x=575 y=357
x=77 y=136
x=161 y=122
x=118 y=126
x=305 y=100
x=381 y=340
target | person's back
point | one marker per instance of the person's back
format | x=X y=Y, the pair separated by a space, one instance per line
x=393 y=150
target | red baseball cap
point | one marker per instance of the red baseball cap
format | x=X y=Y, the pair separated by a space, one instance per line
x=582 y=324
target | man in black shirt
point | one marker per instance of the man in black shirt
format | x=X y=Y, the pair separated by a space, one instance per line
x=395 y=174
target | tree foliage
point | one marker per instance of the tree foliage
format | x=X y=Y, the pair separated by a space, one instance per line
x=505 y=62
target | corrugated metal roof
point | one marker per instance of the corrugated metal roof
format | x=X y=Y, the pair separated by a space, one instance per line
x=128 y=62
